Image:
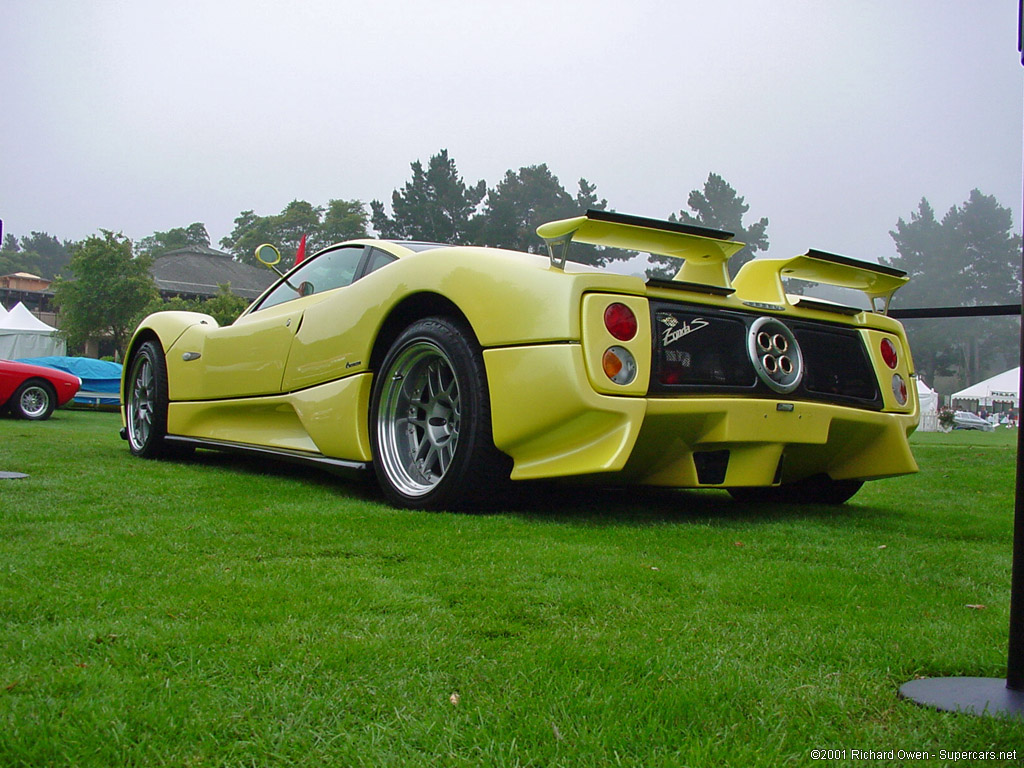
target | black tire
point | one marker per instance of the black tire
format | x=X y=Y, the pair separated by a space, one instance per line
x=34 y=400
x=430 y=421
x=818 y=489
x=146 y=402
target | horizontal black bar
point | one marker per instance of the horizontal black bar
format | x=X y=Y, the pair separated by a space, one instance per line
x=847 y=261
x=666 y=226
x=680 y=285
x=994 y=310
x=825 y=306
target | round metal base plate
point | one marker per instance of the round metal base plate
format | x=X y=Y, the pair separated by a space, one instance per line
x=969 y=695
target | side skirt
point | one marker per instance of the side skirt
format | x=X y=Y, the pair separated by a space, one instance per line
x=351 y=469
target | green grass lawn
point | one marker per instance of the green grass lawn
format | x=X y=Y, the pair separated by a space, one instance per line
x=221 y=611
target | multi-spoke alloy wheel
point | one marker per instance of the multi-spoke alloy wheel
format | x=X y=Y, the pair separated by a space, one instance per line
x=140 y=403
x=34 y=400
x=146 y=402
x=430 y=419
x=418 y=418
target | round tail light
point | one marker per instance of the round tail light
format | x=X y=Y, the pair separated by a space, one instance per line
x=899 y=389
x=620 y=321
x=619 y=365
x=889 y=355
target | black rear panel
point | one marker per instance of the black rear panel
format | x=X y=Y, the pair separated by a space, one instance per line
x=700 y=349
x=835 y=363
x=703 y=350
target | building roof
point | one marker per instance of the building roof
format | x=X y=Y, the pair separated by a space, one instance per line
x=198 y=271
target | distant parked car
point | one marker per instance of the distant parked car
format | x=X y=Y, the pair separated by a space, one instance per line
x=967 y=420
x=32 y=392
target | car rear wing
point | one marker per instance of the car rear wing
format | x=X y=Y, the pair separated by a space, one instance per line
x=760 y=280
x=705 y=252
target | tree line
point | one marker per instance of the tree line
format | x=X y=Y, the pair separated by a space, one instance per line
x=970 y=256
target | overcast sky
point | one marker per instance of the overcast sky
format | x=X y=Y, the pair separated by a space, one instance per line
x=833 y=118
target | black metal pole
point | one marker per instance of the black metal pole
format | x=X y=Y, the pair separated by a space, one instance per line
x=983 y=695
x=1015 y=656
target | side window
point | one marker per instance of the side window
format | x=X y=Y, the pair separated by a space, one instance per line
x=324 y=272
x=378 y=259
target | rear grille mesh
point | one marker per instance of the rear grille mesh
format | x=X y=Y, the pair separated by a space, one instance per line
x=705 y=350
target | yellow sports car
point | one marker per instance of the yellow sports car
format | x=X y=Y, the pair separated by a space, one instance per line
x=453 y=371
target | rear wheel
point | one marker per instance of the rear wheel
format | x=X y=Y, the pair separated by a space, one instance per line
x=430 y=420
x=34 y=400
x=146 y=402
x=818 y=489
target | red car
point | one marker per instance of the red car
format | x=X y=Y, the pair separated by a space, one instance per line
x=32 y=392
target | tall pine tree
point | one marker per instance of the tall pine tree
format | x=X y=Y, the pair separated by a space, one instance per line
x=970 y=258
x=435 y=205
x=717 y=206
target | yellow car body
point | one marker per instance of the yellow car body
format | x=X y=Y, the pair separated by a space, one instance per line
x=295 y=375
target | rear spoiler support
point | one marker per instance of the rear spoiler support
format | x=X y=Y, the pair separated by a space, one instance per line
x=760 y=280
x=704 y=252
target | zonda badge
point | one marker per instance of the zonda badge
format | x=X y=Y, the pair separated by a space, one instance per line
x=677 y=328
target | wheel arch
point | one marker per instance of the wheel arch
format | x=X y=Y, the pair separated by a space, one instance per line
x=37 y=381
x=141 y=337
x=407 y=312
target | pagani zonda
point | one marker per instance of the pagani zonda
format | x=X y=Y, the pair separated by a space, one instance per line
x=454 y=370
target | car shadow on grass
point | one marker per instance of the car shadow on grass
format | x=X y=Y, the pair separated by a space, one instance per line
x=558 y=502
x=639 y=505
x=355 y=484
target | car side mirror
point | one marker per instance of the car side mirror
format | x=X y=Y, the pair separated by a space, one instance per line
x=268 y=255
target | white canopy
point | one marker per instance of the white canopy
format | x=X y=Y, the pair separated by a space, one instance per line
x=1002 y=388
x=22 y=334
x=929 y=399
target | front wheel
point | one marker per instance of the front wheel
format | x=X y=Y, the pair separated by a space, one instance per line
x=34 y=400
x=818 y=489
x=430 y=420
x=146 y=401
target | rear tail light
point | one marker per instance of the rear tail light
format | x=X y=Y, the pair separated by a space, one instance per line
x=889 y=354
x=619 y=365
x=899 y=389
x=620 y=321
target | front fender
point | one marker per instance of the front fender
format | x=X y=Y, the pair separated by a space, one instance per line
x=169 y=326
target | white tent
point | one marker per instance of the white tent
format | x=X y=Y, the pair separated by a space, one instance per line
x=1000 y=391
x=22 y=334
x=929 y=407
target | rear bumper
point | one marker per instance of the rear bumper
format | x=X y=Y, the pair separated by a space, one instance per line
x=744 y=442
x=547 y=417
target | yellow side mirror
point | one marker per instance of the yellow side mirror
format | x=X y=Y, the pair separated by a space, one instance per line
x=268 y=255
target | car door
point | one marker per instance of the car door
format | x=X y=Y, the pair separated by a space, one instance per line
x=337 y=333
x=248 y=357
